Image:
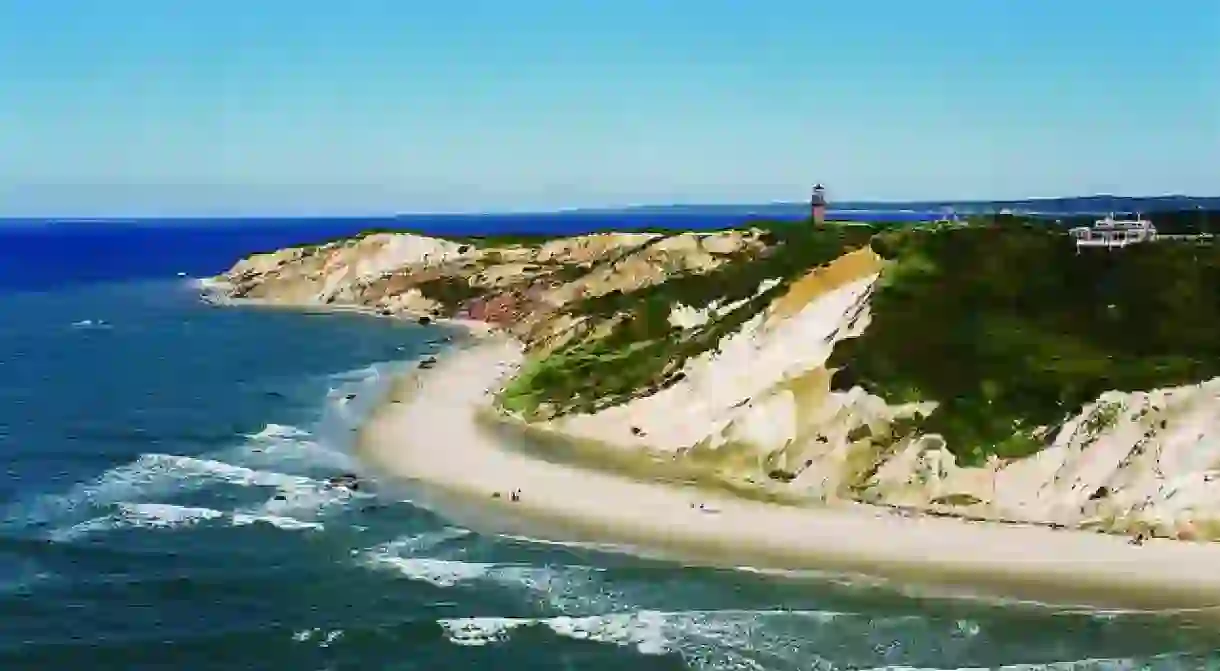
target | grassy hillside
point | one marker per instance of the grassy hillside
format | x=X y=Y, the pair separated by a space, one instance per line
x=1009 y=329
x=1000 y=321
x=635 y=351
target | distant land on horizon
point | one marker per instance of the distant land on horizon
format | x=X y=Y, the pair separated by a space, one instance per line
x=1097 y=204
x=1063 y=206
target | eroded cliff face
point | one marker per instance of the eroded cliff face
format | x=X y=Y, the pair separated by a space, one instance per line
x=743 y=387
x=760 y=412
x=520 y=287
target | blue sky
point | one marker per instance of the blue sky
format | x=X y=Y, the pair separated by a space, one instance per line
x=124 y=107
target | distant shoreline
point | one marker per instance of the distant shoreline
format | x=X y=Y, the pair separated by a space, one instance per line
x=1098 y=204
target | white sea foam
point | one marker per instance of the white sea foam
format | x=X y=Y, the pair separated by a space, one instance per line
x=426 y=558
x=287 y=462
x=169 y=516
x=400 y=555
x=1169 y=662
x=423 y=542
x=438 y=572
x=564 y=587
x=722 y=640
x=279 y=522
x=608 y=548
x=279 y=446
x=773 y=640
x=362 y=375
x=324 y=636
x=157 y=472
x=137 y=492
x=165 y=515
x=279 y=432
x=148 y=478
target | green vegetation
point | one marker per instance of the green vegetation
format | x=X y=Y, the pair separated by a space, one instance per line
x=450 y=291
x=1009 y=329
x=1103 y=417
x=643 y=352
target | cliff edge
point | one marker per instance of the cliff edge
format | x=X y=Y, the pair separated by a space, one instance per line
x=975 y=370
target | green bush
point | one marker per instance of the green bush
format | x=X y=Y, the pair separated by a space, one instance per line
x=1008 y=328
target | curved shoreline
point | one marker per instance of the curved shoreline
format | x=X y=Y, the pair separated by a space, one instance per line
x=426 y=431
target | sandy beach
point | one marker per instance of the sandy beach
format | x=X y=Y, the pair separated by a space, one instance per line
x=426 y=432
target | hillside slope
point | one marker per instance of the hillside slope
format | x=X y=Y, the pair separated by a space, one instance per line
x=975 y=370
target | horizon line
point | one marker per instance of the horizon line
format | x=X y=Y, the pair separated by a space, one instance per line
x=593 y=209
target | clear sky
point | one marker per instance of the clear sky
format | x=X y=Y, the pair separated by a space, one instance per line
x=119 y=107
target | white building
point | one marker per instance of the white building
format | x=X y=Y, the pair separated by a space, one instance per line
x=1110 y=232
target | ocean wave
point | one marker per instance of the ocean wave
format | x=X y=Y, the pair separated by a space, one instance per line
x=371 y=373
x=401 y=556
x=607 y=548
x=290 y=460
x=279 y=446
x=153 y=474
x=770 y=640
x=170 y=516
x=573 y=589
x=274 y=432
x=324 y=637
x=1166 y=662
x=139 y=489
x=707 y=639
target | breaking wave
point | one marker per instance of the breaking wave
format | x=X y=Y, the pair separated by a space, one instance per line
x=276 y=476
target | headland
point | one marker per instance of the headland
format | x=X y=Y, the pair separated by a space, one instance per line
x=970 y=403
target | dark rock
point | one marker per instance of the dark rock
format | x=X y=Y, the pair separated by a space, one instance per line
x=346 y=480
x=348 y=397
x=424 y=320
x=781 y=475
x=1101 y=493
x=843 y=379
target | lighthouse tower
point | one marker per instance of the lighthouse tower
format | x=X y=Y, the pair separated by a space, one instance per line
x=817 y=205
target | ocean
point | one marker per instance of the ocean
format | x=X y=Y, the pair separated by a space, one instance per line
x=165 y=505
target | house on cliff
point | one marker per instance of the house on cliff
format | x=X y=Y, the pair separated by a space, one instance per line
x=1111 y=233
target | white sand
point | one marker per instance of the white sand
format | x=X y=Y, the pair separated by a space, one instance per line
x=426 y=432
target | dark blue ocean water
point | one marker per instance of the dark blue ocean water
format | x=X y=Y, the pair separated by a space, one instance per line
x=164 y=506
x=115 y=249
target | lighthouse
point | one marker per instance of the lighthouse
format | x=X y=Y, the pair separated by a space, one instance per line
x=817 y=205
